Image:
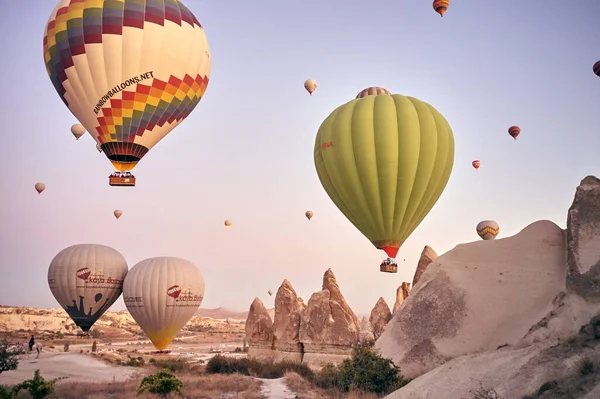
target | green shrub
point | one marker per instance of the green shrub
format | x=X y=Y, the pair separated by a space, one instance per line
x=327 y=378
x=162 y=383
x=37 y=387
x=5 y=393
x=134 y=361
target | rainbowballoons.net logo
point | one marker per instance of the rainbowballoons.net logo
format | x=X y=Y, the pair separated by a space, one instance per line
x=96 y=279
x=183 y=297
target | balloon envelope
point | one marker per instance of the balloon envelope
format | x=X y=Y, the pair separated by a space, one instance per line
x=162 y=294
x=476 y=164
x=596 y=68
x=228 y=223
x=372 y=91
x=441 y=6
x=308 y=214
x=270 y=292
x=39 y=187
x=86 y=279
x=117 y=213
x=77 y=130
x=129 y=71
x=514 y=131
x=310 y=85
x=384 y=160
x=488 y=229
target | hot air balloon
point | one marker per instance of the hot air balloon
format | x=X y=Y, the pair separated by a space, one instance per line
x=162 y=294
x=228 y=223
x=597 y=68
x=270 y=292
x=86 y=279
x=117 y=213
x=39 y=187
x=514 y=131
x=308 y=214
x=129 y=71
x=440 y=6
x=476 y=164
x=384 y=160
x=370 y=91
x=488 y=229
x=310 y=85
x=77 y=130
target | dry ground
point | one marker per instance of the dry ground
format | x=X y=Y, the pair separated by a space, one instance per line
x=305 y=390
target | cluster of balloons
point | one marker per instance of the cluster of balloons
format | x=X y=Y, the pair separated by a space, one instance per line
x=161 y=294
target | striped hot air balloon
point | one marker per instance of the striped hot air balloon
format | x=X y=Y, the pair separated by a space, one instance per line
x=514 y=131
x=372 y=91
x=488 y=229
x=440 y=6
x=476 y=164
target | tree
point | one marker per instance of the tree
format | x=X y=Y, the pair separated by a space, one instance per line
x=162 y=383
x=9 y=355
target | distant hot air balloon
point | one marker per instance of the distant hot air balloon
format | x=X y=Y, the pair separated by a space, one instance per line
x=117 y=213
x=310 y=85
x=228 y=223
x=39 y=187
x=86 y=279
x=77 y=130
x=488 y=229
x=370 y=91
x=514 y=131
x=129 y=71
x=597 y=68
x=384 y=160
x=162 y=294
x=476 y=164
x=440 y=6
x=308 y=214
x=270 y=292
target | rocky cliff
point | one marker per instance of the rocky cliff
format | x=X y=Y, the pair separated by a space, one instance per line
x=505 y=315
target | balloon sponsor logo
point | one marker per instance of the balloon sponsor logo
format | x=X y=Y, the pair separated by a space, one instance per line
x=117 y=89
x=327 y=145
x=133 y=301
x=84 y=273
x=174 y=291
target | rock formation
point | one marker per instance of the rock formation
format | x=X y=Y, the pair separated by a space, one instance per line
x=380 y=316
x=259 y=331
x=329 y=328
x=401 y=294
x=366 y=331
x=427 y=256
x=496 y=312
x=286 y=326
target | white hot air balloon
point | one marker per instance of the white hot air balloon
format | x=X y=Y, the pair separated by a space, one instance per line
x=77 y=130
x=270 y=292
x=310 y=85
x=86 y=279
x=488 y=229
x=162 y=294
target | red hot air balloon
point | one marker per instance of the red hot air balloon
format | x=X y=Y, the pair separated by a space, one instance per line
x=476 y=164
x=514 y=131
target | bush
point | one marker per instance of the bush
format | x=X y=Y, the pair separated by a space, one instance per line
x=134 y=361
x=37 y=387
x=95 y=333
x=327 y=378
x=220 y=364
x=94 y=346
x=9 y=357
x=173 y=365
x=368 y=372
x=162 y=383
x=5 y=393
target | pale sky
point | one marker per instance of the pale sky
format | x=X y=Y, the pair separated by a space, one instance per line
x=246 y=152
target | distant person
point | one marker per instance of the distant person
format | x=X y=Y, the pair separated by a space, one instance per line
x=31 y=343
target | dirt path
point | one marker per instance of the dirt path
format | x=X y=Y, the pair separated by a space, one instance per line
x=75 y=366
x=276 y=389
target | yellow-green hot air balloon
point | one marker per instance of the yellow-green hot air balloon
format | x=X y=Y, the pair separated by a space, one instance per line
x=86 y=279
x=384 y=160
x=162 y=294
x=129 y=70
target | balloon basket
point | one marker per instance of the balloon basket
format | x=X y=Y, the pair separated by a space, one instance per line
x=121 y=181
x=388 y=266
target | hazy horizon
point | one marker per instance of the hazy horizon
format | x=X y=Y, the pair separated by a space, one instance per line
x=246 y=152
